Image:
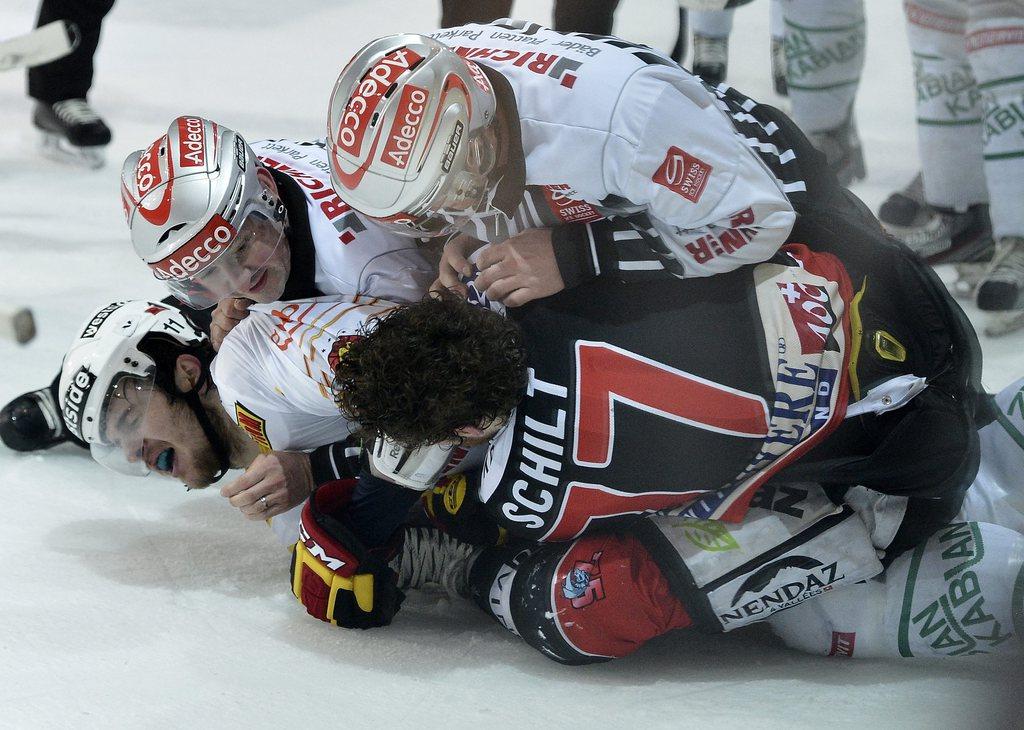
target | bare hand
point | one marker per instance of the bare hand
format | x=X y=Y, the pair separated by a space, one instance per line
x=521 y=269
x=455 y=263
x=229 y=312
x=284 y=478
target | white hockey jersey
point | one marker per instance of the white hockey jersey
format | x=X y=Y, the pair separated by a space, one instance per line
x=610 y=128
x=353 y=255
x=274 y=370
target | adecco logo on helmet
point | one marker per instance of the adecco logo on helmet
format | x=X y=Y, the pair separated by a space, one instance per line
x=194 y=255
x=406 y=126
x=366 y=98
x=75 y=399
x=191 y=142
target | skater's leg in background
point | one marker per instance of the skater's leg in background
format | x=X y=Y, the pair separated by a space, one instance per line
x=711 y=29
x=460 y=12
x=678 y=51
x=944 y=215
x=949 y=112
x=584 y=16
x=777 y=26
x=825 y=57
x=69 y=77
x=995 y=50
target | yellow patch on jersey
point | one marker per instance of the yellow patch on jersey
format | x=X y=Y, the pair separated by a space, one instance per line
x=254 y=427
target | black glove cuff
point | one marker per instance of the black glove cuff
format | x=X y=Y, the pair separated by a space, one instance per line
x=574 y=253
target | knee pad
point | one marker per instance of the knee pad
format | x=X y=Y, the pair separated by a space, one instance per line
x=597 y=598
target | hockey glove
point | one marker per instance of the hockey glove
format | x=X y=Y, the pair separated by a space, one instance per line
x=333 y=575
x=454 y=507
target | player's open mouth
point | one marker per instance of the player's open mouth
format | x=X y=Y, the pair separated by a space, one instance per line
x=165 y=461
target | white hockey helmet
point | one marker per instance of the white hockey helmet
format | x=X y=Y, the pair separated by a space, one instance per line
x=194 y=199
x=410 y=134
x=106 y=369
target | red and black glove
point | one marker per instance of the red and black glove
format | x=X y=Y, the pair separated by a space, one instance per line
x=333 y=575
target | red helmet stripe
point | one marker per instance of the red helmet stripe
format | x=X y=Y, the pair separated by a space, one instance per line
x=147 y=177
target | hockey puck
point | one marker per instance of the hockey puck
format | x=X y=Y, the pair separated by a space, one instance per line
x=18 y=325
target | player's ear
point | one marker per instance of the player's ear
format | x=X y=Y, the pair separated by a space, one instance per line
x=485 y=430
x=470 y=432
x=264 y=176
x=187 y=372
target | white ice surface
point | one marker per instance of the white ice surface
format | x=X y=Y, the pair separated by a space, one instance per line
x=130 y=604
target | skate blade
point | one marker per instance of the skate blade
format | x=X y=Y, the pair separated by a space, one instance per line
x=1001 y=324
x=58 y=149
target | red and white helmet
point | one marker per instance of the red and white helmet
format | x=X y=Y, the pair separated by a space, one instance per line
x=188 y=198
x=410 y=134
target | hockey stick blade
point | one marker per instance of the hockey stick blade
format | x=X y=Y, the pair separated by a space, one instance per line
x=17 y=324
x=46 y=43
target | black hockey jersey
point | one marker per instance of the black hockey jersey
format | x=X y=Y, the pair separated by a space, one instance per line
x=645 y=399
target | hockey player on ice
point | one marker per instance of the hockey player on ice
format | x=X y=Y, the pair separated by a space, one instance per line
x=794 y=560
x=142 y=386
x=298 y=240
x=584 y=156
x=611 y=391
x=612 y=591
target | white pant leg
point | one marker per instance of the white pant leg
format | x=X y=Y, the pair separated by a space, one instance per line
x=997 y=494
x=949 y=110
x=776 y=20
x=825 y=58
x=712 y=23
x=955 y=595
x=995 y=50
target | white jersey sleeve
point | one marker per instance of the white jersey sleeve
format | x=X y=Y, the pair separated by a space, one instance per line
x=713 y=202
x=623 y=150
x=274 y=370
x=354 y=255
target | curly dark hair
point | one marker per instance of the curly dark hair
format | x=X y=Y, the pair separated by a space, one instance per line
x=423 y=370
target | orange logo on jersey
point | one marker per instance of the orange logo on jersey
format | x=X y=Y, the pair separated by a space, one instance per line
x=339 y=348
x=254 y=427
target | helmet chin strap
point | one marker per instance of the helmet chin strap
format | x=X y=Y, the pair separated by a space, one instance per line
x=220 y=447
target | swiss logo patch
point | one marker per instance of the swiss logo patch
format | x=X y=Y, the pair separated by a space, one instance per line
x=842 y=643
x=564 y=204
x=683 y=174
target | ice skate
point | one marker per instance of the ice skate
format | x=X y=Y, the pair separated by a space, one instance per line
x=32 y=422
x=72 y=132
x=1000 y=290
x=430 y=556
x=904 y=205
x=964 y=239
x=943 y=236
x=842 y=150
x=710 y=58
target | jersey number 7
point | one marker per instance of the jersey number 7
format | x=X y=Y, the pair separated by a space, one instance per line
x=606 y=374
